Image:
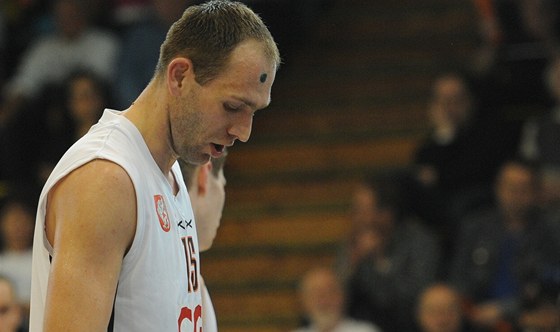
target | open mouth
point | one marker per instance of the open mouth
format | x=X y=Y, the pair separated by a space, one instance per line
x=218 y=147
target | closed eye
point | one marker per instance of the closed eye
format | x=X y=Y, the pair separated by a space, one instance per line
x=232 y=108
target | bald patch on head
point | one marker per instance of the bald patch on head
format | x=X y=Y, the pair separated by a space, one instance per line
x=263 y=77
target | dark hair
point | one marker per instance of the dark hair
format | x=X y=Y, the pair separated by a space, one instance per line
x=101 y=86
x=208 y=33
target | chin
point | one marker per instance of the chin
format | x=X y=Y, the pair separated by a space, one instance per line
x=197 y=160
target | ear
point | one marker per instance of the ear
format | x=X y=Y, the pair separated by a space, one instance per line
x=202 y=178
x=178 y=70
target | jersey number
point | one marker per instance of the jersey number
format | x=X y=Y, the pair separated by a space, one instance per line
x=192 y=276
x=192 y=265
x=187 y=313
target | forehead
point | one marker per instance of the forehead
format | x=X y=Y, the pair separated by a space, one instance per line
x=513 y=172
x=249 y=74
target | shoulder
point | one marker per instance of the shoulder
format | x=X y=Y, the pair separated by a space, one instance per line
x=99 y=173
x=98 y=196
x=97 y=184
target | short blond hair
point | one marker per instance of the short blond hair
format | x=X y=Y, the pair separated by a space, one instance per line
x=208 y=33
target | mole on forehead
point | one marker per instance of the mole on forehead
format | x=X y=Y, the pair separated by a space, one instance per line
x=263 y=77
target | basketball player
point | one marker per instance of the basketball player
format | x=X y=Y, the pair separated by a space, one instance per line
x=206 y=185
x=115 y=244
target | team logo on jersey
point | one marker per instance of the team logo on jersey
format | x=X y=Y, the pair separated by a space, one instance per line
x=161 y=210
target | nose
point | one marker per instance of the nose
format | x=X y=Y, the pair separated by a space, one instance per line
x=242 y=126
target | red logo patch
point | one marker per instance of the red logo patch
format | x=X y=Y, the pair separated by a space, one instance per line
x=161 y=210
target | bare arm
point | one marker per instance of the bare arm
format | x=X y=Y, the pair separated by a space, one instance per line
x=91 y=220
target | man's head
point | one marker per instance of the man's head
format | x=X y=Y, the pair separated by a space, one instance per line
x=216 y=68
x=72 y=17
x=208 y=33
x=516 y=188
x=451 y=103
x=206 y=186
x=439 y=309
x=379 y=202
x=322 y=297
x=17 y=222
x=10 y=311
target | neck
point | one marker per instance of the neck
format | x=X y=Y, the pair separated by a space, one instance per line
x=149 y=113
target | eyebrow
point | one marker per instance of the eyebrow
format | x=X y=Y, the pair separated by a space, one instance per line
x=251 y=104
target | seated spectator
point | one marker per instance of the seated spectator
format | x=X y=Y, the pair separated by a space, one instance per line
x=62 y=115
x=84 y=96
x=10 y=311
x=76 y=44
x=439 y=309
x=540 y=139
x=140 y=49
x=503 y=251
x=17 y=221
x=397 y=257
x=322 y=300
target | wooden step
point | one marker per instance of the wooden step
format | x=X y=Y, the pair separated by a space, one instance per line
x=263 y=269
x=267 y=310
x=278 y=195
x=331 y=123
x=256 y=162
x=282 y=230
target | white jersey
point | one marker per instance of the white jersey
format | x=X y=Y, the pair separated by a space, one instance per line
x=159 y=287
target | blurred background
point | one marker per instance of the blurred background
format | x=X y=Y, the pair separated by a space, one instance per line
x=357 y=95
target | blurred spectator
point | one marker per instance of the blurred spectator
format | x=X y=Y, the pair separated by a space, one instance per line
x=396 y=256
x=76 y=44
x=57 y=118
x=503 y=251
x=84 y=97
x=129 y=12
x=10 y=311
x=456 y=164
x=439 y=309
x=322 y=300
x=540 y=141
x=17 y=220
x=140 y=48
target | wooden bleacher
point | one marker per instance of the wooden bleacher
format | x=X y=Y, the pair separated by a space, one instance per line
x=351 y=100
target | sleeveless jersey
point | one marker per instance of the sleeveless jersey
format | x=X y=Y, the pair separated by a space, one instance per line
x=159 y=286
